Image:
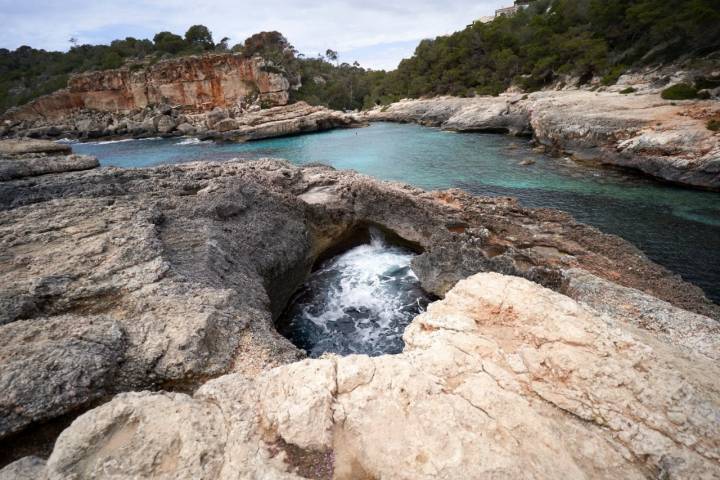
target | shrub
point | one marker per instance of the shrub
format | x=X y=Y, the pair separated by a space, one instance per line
x=628 y=90
x=681 y=91
x=612 y=76
x=713 y=124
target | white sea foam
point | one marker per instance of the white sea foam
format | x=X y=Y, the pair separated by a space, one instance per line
x=193 y=141
x=363 y=299
x=67 y=141
x=124 y=140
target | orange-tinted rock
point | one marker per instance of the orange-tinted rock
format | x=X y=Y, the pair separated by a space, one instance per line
x=200 y=83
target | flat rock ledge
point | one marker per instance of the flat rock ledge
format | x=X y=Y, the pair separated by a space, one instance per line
x=664 y=139
x=116 y=280
x=28 y=158
x=224 y=124
x=501 y=379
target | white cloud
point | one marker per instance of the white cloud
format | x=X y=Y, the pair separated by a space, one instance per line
x=372 y=27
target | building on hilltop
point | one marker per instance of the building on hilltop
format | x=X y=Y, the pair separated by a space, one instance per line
x=519 y=5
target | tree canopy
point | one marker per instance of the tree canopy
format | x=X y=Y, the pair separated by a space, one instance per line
x=531 y=49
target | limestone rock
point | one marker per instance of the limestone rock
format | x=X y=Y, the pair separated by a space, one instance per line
x=165 y=124
x=216 y=115
x=503 y=379
x=27 y=468
x=202 y=82
x=28 y=158
x=186 y=128
x=114 y=280
x=225 y=125
x=12 y=147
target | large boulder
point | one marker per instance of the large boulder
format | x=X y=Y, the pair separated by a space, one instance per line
x=216 y=115
x=165 y=124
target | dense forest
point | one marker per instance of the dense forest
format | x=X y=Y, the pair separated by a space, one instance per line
x=552 y=38
x=531 y=49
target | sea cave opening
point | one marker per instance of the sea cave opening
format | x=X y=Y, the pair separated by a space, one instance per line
x=359 y=297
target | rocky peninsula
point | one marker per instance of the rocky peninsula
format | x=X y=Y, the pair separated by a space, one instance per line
x=573 y=355
x=225 y=97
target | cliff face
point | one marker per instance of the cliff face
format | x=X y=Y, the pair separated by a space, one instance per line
x=201 y=83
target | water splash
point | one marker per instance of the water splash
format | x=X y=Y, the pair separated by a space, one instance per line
x=358 y=302
x=193 y=141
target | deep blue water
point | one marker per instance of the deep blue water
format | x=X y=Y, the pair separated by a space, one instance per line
x=676 y=227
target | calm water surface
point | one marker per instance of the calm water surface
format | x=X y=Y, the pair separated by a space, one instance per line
x=678 y=228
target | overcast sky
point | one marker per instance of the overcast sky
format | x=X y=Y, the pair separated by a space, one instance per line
x=376 y=33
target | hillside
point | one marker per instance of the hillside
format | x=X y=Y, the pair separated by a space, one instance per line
x=548 y=43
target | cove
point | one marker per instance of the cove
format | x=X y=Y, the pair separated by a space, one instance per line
x=676 y=227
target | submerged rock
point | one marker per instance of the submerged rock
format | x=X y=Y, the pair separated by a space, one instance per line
x=115 y=280
x=668 y=140
x=502 y=378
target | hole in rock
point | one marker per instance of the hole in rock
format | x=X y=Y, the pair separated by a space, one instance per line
x=359 y=298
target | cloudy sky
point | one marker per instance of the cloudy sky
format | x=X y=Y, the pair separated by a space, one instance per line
x=377 y=33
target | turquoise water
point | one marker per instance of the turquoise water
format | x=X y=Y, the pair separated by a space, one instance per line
x=677 y=227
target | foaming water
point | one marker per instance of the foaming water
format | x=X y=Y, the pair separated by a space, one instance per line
x=193 y=141
x=357 y=302
x=676 y=227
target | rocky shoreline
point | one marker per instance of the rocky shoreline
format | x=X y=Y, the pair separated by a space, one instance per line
x=667 y=140
x=164 y=278
x=219 y=124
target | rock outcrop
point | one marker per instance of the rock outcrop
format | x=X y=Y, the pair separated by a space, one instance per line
x=501 y=379
x=668 y=140
x=28 y=158
x=224 y=97
x=200 y=83
x=116 y=280
x=222 y=124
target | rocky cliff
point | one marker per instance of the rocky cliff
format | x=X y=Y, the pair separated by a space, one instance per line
x=668 y=140
x=200 y=83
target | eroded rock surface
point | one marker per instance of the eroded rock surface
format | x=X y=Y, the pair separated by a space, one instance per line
x=28 y=158
x=501 y=379
x=668 y=140
x=236 y=124
x=115 y=280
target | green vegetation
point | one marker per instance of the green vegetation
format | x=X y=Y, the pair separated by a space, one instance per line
x=681 y=91
x=551 y=39
x=713 y=124
x=627 y=90
x=549 y=42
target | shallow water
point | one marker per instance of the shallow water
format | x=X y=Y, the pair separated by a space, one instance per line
x=676 y=227
x=358 y=302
